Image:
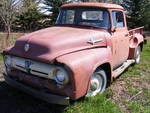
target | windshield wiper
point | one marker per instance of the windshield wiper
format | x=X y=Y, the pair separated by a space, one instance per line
x=77 y=25
x=89 y=26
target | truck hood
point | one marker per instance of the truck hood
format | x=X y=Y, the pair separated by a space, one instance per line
x=47 y=44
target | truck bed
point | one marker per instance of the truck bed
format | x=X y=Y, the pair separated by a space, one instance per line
x=138 y=30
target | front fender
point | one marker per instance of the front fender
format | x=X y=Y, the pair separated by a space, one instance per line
x=83 y=64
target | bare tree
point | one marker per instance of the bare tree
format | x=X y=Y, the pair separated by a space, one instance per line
x=9 y=9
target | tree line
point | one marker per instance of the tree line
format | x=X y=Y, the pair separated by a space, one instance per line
x=26 y=16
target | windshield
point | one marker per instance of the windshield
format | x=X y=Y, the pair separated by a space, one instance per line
x=84 y=17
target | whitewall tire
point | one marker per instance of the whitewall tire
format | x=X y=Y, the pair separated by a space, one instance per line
x=137 y=55
x=98 y=83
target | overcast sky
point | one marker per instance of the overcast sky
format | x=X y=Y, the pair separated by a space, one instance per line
x=41 y=5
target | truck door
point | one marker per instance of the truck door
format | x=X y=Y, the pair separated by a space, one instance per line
x=120 y=38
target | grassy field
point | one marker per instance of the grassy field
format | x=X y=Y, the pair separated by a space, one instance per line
x=130 y=93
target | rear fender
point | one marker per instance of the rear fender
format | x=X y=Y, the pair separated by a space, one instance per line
x=82 y=65
x=135 y=41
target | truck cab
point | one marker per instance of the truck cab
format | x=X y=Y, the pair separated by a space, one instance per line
x=80 y=55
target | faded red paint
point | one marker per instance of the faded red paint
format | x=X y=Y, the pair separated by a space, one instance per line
x=95 y=5
x=69 y=46
x=56 y=41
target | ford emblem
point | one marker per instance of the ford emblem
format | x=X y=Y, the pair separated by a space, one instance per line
x=27 y=65
x=26 y=47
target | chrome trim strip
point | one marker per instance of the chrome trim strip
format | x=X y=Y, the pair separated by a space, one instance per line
x=93 y=41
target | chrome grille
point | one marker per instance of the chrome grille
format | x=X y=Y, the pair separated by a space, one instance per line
x=34 y=68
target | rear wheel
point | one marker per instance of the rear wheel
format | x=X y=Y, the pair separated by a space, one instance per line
x=137 y=55
x=98 y=83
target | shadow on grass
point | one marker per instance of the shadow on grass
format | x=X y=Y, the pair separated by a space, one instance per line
x=15 y=101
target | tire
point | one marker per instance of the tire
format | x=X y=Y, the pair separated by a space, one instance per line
x=137 y=55
x=98 y=83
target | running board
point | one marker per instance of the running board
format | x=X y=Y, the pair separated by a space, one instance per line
x=122 y=68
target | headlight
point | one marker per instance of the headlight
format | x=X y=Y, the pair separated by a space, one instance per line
x=7 y=61
x=61 y=76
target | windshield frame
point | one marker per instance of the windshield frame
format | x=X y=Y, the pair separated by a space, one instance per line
x=76 y=14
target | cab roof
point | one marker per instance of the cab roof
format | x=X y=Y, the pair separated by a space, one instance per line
x=95 y=5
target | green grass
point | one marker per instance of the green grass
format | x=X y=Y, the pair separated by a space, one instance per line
x=135 y=108
x=122 y=95
x=98 y=104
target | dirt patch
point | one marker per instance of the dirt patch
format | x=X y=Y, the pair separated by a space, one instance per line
x=130 y=90
x=119 y=90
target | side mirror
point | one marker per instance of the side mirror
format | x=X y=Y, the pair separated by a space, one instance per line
x=113 y=29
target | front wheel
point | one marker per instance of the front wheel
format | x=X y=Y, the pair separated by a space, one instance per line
x=137 y=55
x=98 y=83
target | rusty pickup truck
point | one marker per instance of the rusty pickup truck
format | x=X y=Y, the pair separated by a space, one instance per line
x=79 y=56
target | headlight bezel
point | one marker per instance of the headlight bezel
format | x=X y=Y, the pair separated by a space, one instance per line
x=58 y=76
x=8 y=61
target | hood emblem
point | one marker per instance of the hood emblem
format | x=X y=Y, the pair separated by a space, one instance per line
x=93 y=41
x=26 y=47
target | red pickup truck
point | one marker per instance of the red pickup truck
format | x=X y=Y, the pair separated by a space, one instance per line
x=79 y=56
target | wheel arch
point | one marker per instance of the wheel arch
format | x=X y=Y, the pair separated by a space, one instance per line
x=107 y=68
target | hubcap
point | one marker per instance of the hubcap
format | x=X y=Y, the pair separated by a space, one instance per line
x=97 y=84
x=94 y=84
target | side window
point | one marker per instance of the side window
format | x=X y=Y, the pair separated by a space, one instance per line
x=118 y=19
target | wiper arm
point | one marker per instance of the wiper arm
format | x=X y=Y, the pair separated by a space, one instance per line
x=88 y=26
